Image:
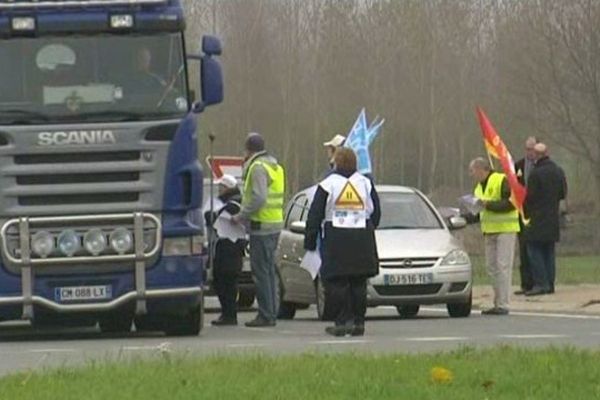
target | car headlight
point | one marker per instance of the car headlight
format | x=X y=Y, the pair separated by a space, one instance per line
x=121 y=240
x=42 y=243
x=456 y=257
x=68 y=242
x=94 y=241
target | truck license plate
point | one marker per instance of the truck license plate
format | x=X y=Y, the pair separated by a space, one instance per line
x=74 y=293
x=408 y=279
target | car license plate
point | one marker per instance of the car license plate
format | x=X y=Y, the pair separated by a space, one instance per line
x=75 y=293
x=408 y=279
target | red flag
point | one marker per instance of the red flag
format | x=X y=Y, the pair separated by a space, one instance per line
x=496 y=148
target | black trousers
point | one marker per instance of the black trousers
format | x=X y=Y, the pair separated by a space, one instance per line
x=227 y=268
x=346 y=300
x=525 y=269
x=226 y=287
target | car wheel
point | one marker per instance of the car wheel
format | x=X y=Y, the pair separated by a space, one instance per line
x=115 y=323
x=320 y=296
x=408 y=311
x=245 y=299
x=285 y=310
x=460 y=310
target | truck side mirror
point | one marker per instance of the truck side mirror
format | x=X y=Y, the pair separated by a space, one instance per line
x=211 y=81
x=211 y=74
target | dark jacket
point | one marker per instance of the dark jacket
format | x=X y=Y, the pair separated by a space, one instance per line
x=228 y=255
x=344 y=252
x=546 y=187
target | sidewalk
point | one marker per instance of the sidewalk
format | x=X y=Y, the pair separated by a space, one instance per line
x=577 y=299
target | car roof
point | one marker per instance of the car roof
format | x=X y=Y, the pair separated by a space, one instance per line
x=394 y=189
x=310 y=191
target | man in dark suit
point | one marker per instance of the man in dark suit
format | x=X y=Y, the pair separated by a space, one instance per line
x=523 y=168
x=546 y=187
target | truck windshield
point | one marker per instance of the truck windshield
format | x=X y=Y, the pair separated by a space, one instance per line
x=92 y=79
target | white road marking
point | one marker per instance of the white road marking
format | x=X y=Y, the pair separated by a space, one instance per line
x=526 y=314
x=242 y=345
x=340 y=341
x=533 y=336
x=140 y=348
x=435 y=339
x=51 y=351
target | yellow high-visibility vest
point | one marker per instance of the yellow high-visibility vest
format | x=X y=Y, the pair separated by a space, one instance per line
x=272 y=210
x=492 y=221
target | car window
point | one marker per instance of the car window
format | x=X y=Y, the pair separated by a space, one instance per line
x=296 y=210
x=406 y=211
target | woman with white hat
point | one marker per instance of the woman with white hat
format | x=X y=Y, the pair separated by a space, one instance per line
x=228 y=254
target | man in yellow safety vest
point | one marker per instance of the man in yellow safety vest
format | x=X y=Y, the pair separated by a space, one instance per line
x=262 y=211
x=500 y=224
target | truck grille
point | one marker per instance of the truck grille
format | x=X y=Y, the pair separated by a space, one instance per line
x=83 y=182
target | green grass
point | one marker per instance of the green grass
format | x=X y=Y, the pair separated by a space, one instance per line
x=499 y=373
x=570 y=270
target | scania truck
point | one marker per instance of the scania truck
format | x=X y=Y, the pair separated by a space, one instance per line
x=100 y=184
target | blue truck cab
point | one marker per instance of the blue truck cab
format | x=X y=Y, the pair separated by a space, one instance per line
x=100 y=184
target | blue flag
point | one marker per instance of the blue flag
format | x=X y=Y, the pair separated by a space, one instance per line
x=360 y=138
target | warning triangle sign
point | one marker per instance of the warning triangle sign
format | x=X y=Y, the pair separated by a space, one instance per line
x=349 y=198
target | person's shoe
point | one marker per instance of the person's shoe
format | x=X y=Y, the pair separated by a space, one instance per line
x=337 y=331
x=495 y=311
x=259 y=322
x=521 y=291
x=536 y=291
x=357 y=330
x=224 y=322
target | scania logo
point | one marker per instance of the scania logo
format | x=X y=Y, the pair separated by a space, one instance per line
x=63 y=138
x=407 y=263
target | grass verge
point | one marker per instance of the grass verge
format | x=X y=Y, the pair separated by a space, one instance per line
x=498 y=373
x=570 y=270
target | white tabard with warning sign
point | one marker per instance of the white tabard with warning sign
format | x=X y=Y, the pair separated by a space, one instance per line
x=349 y=205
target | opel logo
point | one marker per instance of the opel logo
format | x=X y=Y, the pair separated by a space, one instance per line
x=407 y=263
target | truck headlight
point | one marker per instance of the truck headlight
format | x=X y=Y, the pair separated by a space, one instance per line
x=122 y=21
x=94 y=241
x=182 y=246
x=456 y=257
x=42 y=243
x=23 y=24
x=68 y=242
x=121 y=240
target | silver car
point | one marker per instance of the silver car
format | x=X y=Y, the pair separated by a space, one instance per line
x=420 y=261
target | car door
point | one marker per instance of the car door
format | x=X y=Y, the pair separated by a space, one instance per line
x=297 y=282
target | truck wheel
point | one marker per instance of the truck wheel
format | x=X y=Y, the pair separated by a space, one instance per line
x=460 y=310
x=408 y=311
x=115 y=324
x=145 y=323
x=245 y=299
x=188 y=325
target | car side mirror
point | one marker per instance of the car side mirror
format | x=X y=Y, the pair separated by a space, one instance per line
x=298 y=227
x=456 y=222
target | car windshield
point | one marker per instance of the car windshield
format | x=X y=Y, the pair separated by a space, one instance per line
x=92 y=78
x=406 y=211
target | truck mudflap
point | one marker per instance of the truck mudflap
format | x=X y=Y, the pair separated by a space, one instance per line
x=140 y=254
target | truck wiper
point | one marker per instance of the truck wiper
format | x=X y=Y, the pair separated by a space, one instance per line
x=113 y=115
x=20 y=116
